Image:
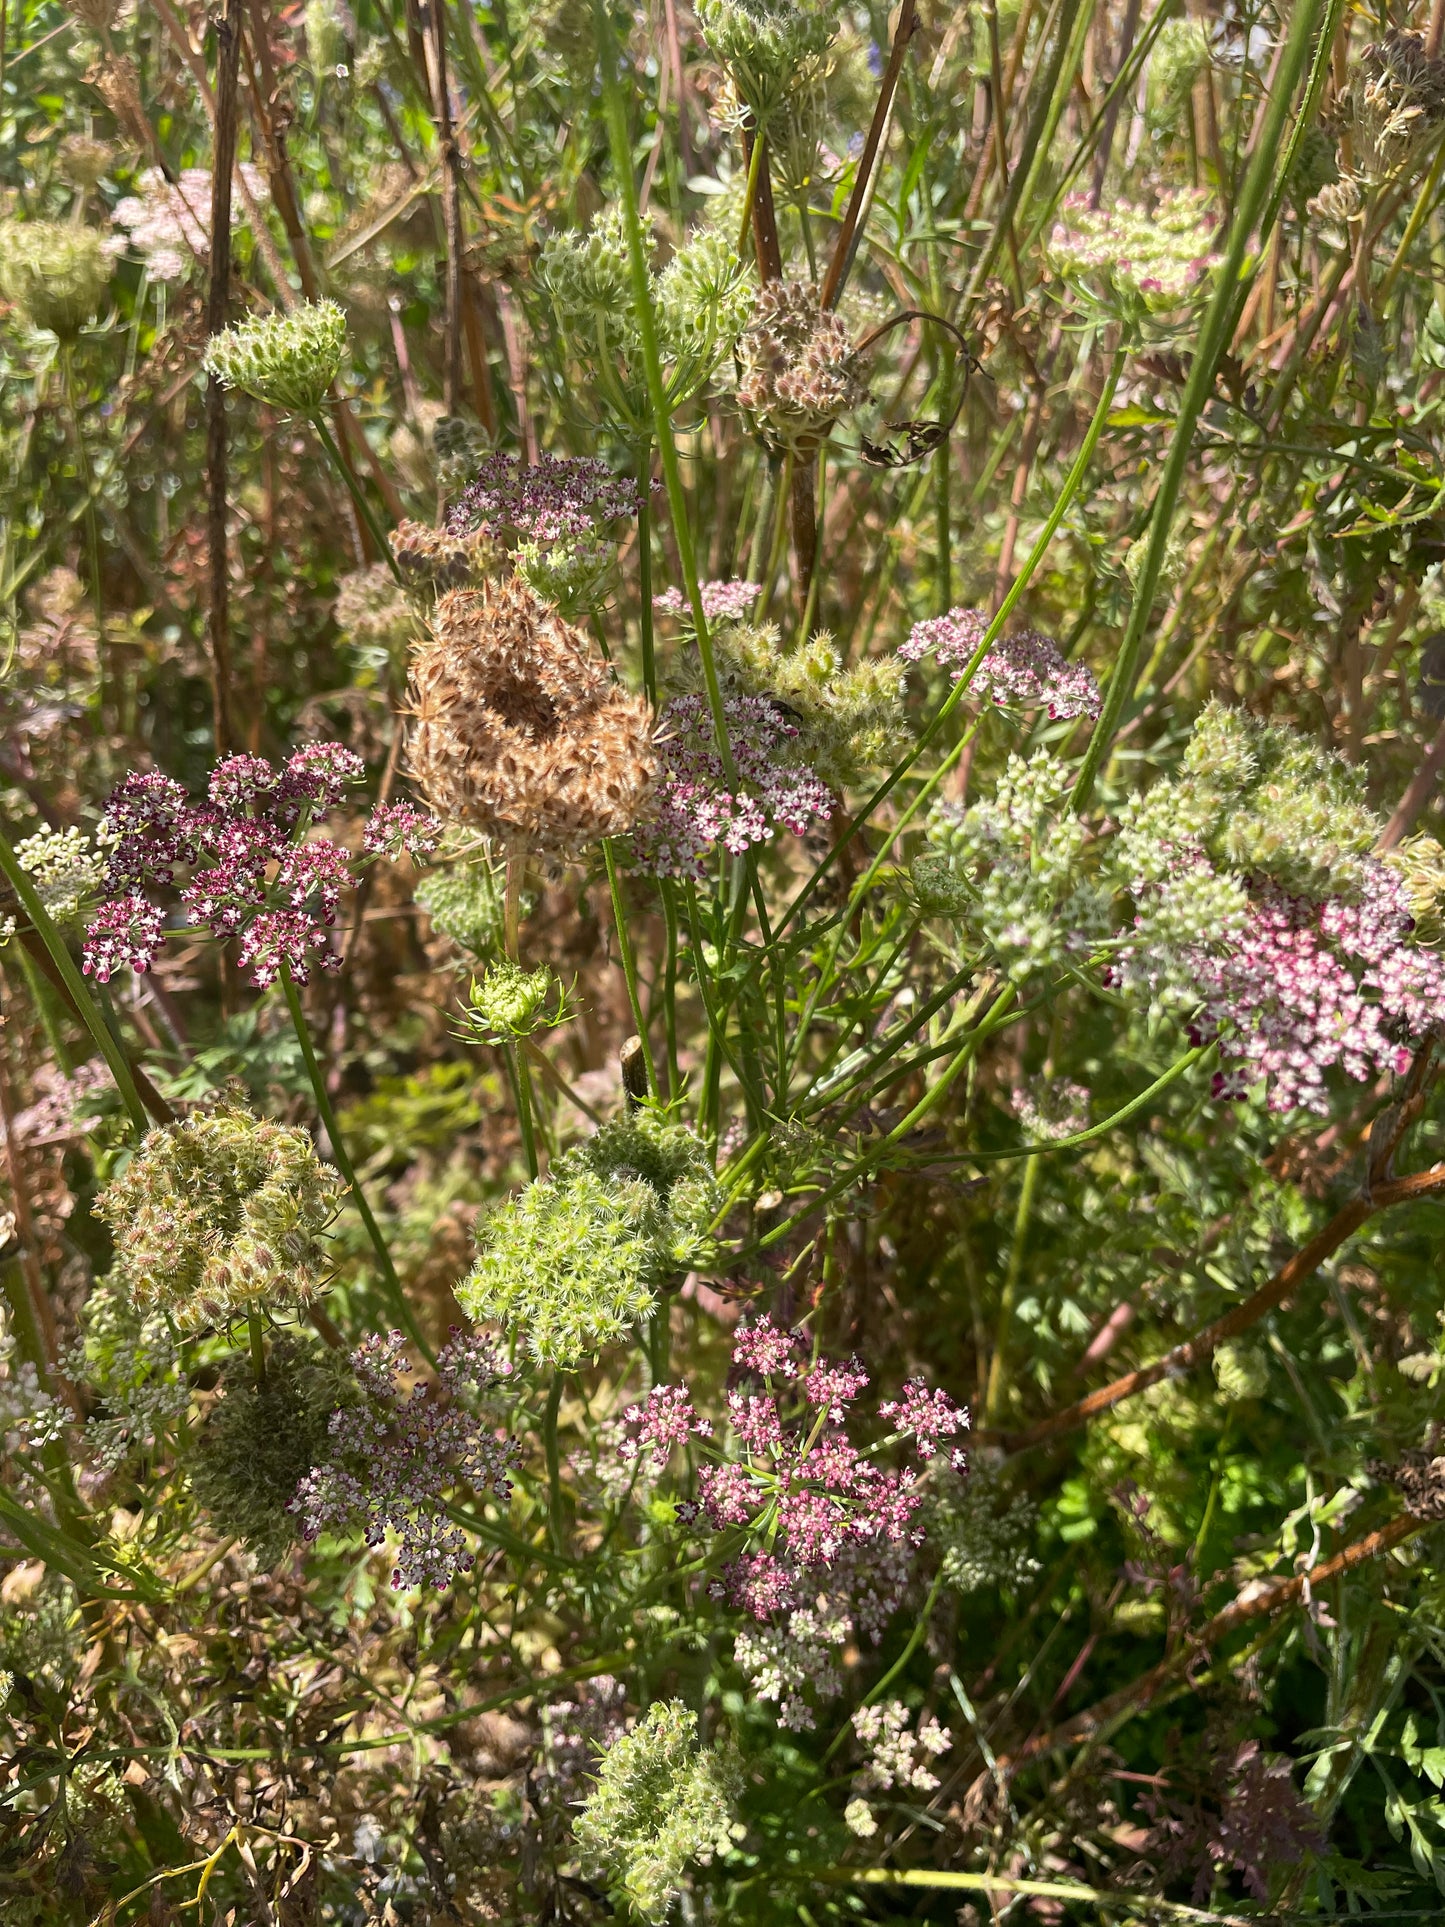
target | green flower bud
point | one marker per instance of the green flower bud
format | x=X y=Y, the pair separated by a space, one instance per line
x=54 y=273
x=660 y=1802
x=508 y=1002
x=289 y=360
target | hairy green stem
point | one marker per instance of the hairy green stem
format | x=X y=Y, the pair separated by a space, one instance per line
x=357 y=493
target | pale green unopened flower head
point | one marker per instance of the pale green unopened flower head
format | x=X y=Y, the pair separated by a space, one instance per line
x=660 y=1802
x=289 y=360
x=508 y=1003
x=220 y=1214
x=54 y=272
x=573 y=1262
x=568 y=1267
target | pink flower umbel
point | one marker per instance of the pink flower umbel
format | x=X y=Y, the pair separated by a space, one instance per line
x=696 y=810
x=1026 y=671
x=256 y=870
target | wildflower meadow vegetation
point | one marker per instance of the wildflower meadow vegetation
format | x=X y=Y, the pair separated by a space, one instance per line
x=722 y=959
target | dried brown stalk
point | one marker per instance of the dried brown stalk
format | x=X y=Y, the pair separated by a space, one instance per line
x=228 y=68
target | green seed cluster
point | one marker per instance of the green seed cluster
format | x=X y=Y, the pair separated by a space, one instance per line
x=220 y=1214
x=660 y=1802
x=573 y=1262
x=288 y=360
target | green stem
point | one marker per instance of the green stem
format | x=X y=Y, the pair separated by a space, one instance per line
x=391 y=1283
x=644 y=573
x=997 y=1371
x=1214 y=338
x=522 y=1073
x=357 y=494
x=1070 y=489
x=616 y=115
x=75 y=983
x=669 y=988
x=554 y=1463
x=629 y=966
x=257 y=1333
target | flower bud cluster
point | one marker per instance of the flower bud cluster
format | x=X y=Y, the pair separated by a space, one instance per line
x=220 y=1214
x=573 y=1262
x=66 y=868
x=1015 y=860
x=766 y=44
x=508 y=1003
x=660 y=1802
x=700 y=303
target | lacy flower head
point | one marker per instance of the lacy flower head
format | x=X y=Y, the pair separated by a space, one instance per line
x=798 y=369
x=288 y=360
x=168 y=223
x=255 y=870
x=54 y=273
x=1263 y=919
x=1136 y=261
x=550 y=518
x=700 y=302
x=660 y=1802
x=392 y=1458
x=221 y=1214
x=729 y=601
x=1014 y=865
x=575 y=1261
x=824 y=1533
x=1026 y=671
x=517 y=729
x=696 y=808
